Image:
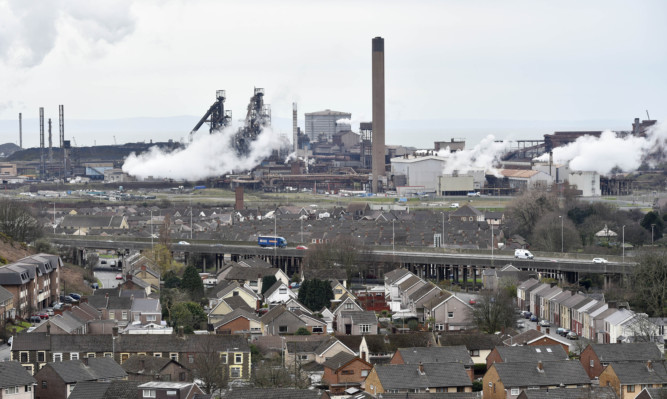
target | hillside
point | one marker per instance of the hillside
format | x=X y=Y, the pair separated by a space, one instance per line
x=11 y=251
x=8 y=149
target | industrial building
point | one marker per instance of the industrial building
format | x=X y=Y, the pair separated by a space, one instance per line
x=323 y=125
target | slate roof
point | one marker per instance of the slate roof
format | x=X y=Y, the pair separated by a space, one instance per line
x=525 y=373
x=5 y=295
x=656 y=393
x=436 y=354
x=105 y=390
x=409 y=282
x=379 y=344
x=638 y=372
x=523 y=338
x=532 y=354
x=250 y=273
x=234 y=314
x=314 y=345
x=236 y=302
x=570 y=393
x=417 y=295
x=97 y=368
x=407 y=376
x=111 y=302
x=272 y=393
x=274 y=287
x=144 y=364
x=255 y=262
x=13 y=374
x=146 y=305
x=474 y=341
x=339 y=360
x=627 y=352
x=360 y=317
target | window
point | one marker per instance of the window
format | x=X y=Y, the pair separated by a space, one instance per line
x=253 y=283
x=630 y=388
x=223 y=358
x=71 y=387
x=349 y=306
x=238 y=358
x=171 y=393
x=347 y=372
x=592 y=363
x=282 y=290
x=157 y=354
x=112 y=315
x=364 y=328
x=303 y=357
x=108 y=354
x=439 y=327
x=235 y=372
x=149 y=393
x=11 y=390
x=282 y=329
x=181 y=376
x=450 y=314
x=151 y=317
x=57 y=357
x=24 y=357
x=124 y=314
x=191 y=359
x=173 y=356
x=338 y=291
x=28 y=388
x=44 y=384
x=364 y=373
x=74 y=356
x=90 y=355
x=41 y=356
x=474 y=352
x=514 y=391
x=318 y=329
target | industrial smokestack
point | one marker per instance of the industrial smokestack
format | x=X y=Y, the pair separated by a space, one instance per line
x=42 y=169
x=238 y=205
x=295 y=137
x=378 y=163
x=50 y=144
x=61 y=124
x=20 y=130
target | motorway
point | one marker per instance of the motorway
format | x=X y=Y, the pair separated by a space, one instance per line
x=416 y=257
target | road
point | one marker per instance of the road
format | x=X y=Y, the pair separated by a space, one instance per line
x=576 y=346
x=4 y=352
x=107 y=275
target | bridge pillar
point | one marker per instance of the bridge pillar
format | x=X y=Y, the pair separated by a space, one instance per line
x=474 y=278
x=203 y=266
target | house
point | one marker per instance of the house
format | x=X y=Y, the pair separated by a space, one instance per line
x=569 y=393
x=447 y=312
x=507 y=380
x=313 y=323
x=15 y=381
x=116 y=308
x=56 y=380
x=378 y=349
x=652 y=393
x=33 y=281
x=66 y=323
x=536 y=338
x=82 y=224
x=225 y=306
x=252 y=276
x=343 y=371
x=279 y=321
x=7 y=309
x=418 y=378
x=479 y=345
x=531 y=354
x=613 y=325
x=146 y=310
x=357 y=322
x=339 y=290
x=437 y=354
x=392 y=281
x=293 y=305
x=105 y=390
x=466 y=213
x=148 y=274
x=348 y=304
x=329 y=318
x=238 y=321
x=416 y=300
x=629 y=378
x=145 y=368
x=318 y=349
x=523 y=299
x=278 y=293
x=169 y=390
x=595 y=357
x=35 y=349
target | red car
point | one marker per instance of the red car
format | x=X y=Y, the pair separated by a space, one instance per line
x=301 y=247
x=119 y=276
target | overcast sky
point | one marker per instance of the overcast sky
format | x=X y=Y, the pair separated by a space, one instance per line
x=517 y=60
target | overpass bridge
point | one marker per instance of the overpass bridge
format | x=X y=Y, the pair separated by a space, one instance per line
x=457 y=267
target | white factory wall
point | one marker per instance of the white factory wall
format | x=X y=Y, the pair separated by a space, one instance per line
x=587 y=182
x=318 y=124
x=422 y=171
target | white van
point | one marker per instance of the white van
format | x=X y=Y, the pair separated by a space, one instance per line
x=523 y=254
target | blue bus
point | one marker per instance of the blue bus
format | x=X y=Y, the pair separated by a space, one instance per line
x=271 y=241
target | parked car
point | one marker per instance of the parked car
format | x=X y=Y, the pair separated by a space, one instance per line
x=520 y=324
x=57 y=306
x=94 y=286
x=66 y=299
x=294 y=285
x=572 y=335
x=454 y=205
x=599 y=260
x=119 y=276
x=527 y=314
x=562 y=331
x=75 y=296
x=103 y=262
x=35 y=319
x=534 y=318
x=183 y=243
x=49 y=311
x=43 y=315
x=301 y=247
x=545 y=323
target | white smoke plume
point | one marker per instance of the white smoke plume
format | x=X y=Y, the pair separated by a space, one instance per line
x=290 y=156
x=612 y=150
x=482 y=156
x=344 y=121
x=31 y=29
x=208 y=155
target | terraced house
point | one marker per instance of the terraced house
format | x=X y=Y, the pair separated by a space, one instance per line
x=33 y=281
x=34 y=350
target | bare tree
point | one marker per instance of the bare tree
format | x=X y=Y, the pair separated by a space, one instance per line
x=494 y=312
x=18 y=222
x=650 y=281
x=550 y=235
x=524 y=211
x=210 y=367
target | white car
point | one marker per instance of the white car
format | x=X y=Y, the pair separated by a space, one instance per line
x=183 y=243
x=454 y=205
x=599 y=260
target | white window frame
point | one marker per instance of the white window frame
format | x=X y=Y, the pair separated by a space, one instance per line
x=439 y=327
x=364 y=328
x=12 y=390
x=124 y=315
x=234 y=369
x=74 y=355
x=515 y=391
x=151 y=317
x=58 y=357
x=148 y=393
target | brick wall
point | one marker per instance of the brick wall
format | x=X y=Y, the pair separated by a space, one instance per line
x=493 y=388
x=587 y=355
x=238 y=324
x=49 y=385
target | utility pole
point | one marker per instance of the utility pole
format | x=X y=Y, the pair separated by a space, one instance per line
x=54 y=218
x=190 y=215
x=393 y=237
x=562 y=245
x=623 y=244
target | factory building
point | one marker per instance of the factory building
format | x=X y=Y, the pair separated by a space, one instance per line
x=587 y=182
x=461 y=183
x=323 y=125
x=421 y=172
x=521 y=179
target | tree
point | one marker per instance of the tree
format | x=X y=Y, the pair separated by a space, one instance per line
x=524 y=212
x=653 y=223
x=343 y=252
x=190 y=315
x=650 y=282
x=192 y=283
x=315 y=294
x=494 y=311
x=302 y=331
x=169 y=297
x=210 y=368
x=171 y=280
x=273 y=374
x=267 y=282
x=18 y=222
x=161 y=255
x=547 y=234
x=164 y=237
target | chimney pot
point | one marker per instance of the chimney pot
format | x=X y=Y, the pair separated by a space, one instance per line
x=114 y=331
x=539 y=366
x=649 y=365
x=421 y=368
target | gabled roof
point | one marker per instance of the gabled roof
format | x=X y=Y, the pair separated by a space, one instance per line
x=526 y=373
x=593 y=391
x=640 y=372
x=13 y=374
x=639 y=351
x=235 y=314
x=147 y=365
x=532 y=354
x=96 y=369
x=412 y=280
x=395 y=275
x=236 y=302
x=273 y=393
x=472 y=341
x=250 y=273
x=5 y=295
x=436 y=354
x=339 y=360
x=274 y=288
x=407 y=376
x=360 y=317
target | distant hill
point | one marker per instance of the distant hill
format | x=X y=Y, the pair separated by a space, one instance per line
x=99 y=153
x=8 y=149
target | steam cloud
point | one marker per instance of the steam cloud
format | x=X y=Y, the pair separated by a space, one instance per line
x=208 y=155
x=30 y=29
x=344 y=121
x=482 y=156
x=612 y=150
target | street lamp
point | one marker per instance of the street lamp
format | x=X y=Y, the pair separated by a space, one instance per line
x=393 y=235
x=442 y=238
x=54 y=218
x=561 y=234
x=623 y=244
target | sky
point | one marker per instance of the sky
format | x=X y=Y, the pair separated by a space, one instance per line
x=452 y=67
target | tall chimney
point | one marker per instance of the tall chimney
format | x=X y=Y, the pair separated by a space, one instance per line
x=378 y=163
x=41 y=142
x=50 y=144
x=61 y=124
x=295 y=136
x=20 y=130
x=238 y=205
